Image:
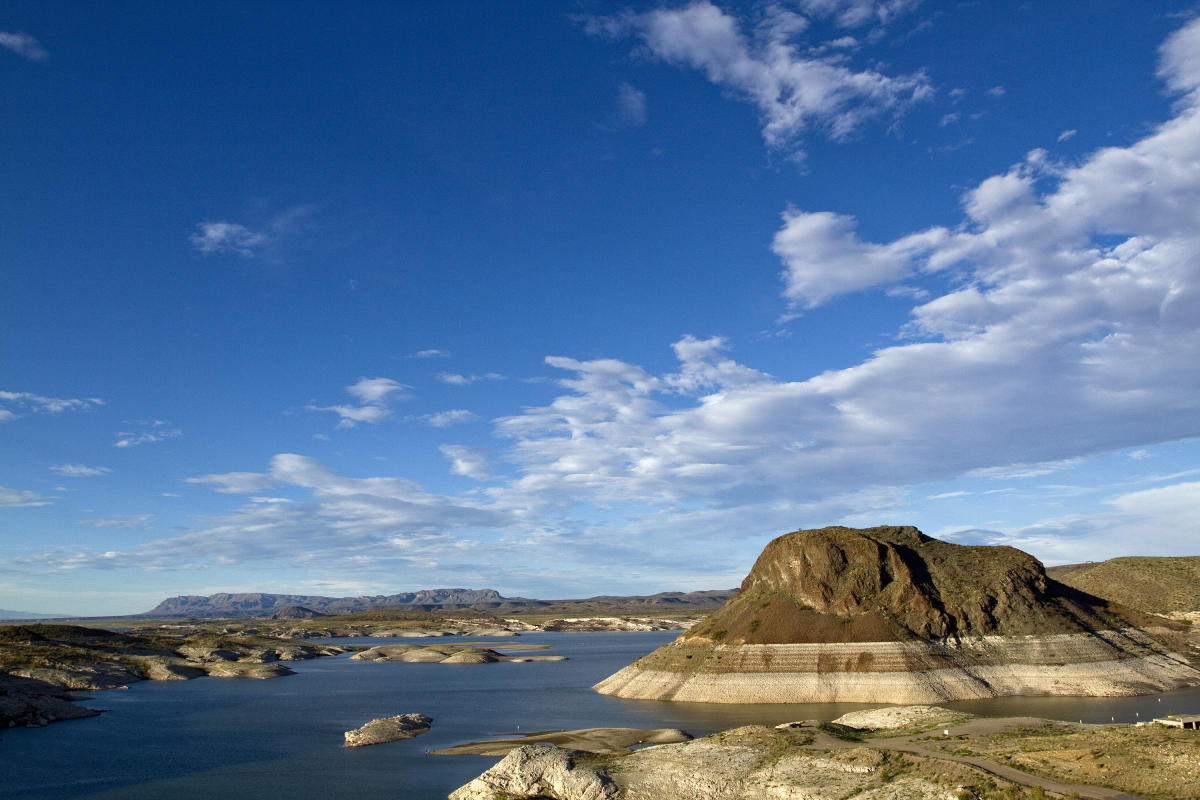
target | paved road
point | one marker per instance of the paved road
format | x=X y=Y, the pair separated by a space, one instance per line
x=978 y=727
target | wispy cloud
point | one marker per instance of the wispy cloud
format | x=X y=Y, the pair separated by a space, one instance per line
x=444 y=419
x=794 y=92
x=455 y=379
x=122 y=521
x=79 y=470
x=21 y=498
x=13 y=403
x=221 y=236
x=470 y=462
x=431 y=353
x=858 y=13
x=1062 y=137
x=631 y=106
x=375 y=396
x=148 y=432
x=23 y=45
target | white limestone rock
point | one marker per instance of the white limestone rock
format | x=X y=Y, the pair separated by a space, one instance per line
x=538 y=771
x=388 y=729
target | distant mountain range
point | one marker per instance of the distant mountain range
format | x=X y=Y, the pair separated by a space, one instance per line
x=259 y=604
x=9 y=614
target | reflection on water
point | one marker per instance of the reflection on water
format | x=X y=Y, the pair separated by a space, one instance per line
x=212 y=737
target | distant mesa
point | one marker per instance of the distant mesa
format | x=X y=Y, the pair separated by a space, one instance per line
x=259 y=604
x=891 y=615
x=296 y=612
x=262 y=605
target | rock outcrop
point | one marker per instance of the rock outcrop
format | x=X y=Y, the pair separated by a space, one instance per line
x=388 y=729
x=890 y=615
x=748 y=763
x=542 y=771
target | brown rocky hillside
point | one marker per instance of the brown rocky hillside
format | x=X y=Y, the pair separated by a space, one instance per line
x=894 y=584
x=1159 y=585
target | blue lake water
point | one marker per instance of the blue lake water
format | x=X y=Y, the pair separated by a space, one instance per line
x=213 y=737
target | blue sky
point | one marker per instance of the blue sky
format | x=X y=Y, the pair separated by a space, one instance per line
x=576 y=299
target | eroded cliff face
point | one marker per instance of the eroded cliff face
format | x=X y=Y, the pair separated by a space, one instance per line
x=888 y=614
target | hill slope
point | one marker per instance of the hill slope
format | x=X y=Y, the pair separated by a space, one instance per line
x=1158 y=585
x=888 y=614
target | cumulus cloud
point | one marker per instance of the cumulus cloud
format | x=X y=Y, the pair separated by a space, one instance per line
x=375 y=396
x=23 y=45
x=793 y=91
x=21 y=498
x=12 y=404
x=78 y=470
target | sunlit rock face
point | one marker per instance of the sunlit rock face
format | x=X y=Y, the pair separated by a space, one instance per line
x=890 y=615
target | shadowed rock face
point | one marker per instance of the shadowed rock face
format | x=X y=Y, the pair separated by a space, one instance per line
x=888 y=614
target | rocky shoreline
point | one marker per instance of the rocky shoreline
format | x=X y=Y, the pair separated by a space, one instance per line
x=41 y=664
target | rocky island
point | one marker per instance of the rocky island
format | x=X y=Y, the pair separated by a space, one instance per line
x=890 y=615
x=388 y=729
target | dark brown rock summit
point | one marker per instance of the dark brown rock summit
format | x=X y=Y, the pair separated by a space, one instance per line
x=895 y=584
x=888 y=614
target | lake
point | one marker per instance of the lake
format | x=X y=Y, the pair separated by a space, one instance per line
x=213 y=737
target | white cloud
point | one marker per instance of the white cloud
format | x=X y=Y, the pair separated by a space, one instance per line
x=857 y=13
x=40 y=404
x=235 y=482
x=431 y=353
x=211 y=237
x=444 y=419
x=947 y=495
x=23 y=45
x=1145 y=523
x=353 y=524
x=824 y=256
x=375 y=396
x=150 y=432
x=455 y=379
x=1012 y=471
x=79 y=470
x=793 y=92
x=1062 y=137
x=21 y=498
x=470 y=462
x=997 y=91
x=226 y=237
x=631 y=106
x=122 y=521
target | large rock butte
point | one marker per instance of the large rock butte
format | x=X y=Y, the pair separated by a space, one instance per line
x=889 y=615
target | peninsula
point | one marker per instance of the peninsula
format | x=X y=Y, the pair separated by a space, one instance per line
x=890 y=615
